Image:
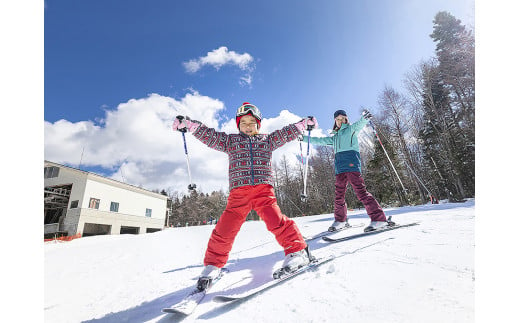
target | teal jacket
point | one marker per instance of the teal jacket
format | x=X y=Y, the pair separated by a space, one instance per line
x=346 y=146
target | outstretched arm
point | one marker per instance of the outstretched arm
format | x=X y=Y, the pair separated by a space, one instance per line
x=320 y=141
x=208 y=136
x=288 y=133
x=362 y=122
x=278 y=138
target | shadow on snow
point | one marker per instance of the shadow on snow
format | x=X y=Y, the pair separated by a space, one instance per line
x=260 y=272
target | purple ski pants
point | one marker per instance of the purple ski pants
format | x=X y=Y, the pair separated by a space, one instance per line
x=374 y=210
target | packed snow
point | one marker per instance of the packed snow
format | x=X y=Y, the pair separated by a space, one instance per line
x=423 y=273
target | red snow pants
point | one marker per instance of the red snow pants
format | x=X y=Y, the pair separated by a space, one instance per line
x=241 y=200
x=374 y=210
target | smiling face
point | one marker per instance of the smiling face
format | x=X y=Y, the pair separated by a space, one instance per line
x=248 y=125
x=341 y=119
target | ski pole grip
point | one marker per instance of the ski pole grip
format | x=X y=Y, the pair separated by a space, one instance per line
x=180 y=119
x=310 y=127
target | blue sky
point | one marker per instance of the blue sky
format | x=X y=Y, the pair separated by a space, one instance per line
x=116 y=69
x=308 y=55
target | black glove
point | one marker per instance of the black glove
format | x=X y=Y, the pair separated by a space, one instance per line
x=366 y=114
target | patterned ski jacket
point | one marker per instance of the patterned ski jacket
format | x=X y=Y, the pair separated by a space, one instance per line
x=249 y=156
x=345 y=145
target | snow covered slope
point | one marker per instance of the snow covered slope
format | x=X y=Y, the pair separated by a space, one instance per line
x=423 y=273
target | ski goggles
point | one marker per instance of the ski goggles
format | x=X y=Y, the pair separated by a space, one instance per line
x=249 y=109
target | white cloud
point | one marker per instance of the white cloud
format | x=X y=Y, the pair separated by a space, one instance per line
x=246 y=79
x=220 y=57
x=134 y=143
x=137 y=136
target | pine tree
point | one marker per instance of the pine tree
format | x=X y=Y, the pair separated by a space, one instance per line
x=439 y=135
x=449 y=101
x=455 y=51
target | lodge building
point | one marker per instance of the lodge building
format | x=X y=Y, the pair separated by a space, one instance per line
x=81 y=202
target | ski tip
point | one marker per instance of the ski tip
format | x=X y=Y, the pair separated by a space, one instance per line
x=224 y=299
x=407 y=224
x=174 y=311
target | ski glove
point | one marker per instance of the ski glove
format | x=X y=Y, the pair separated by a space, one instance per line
x=307 y=124
x=182 y=123
x=366 y=114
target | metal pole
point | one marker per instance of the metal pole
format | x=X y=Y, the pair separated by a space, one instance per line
x=381 y=143
x=191 y=186
x=303 y=196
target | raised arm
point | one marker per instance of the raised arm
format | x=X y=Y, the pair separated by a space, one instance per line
x=208 y=136
x=278 y=138
x=288 y=133
x=362 y=122
x=320 y=141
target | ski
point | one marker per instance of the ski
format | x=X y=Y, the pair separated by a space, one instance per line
x=326 y=233
x=187 y=305
x=364 y=234
x=276 y=281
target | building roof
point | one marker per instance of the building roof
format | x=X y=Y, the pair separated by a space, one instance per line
x=104 y=179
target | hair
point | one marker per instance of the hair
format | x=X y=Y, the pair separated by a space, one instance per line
x=335 y=127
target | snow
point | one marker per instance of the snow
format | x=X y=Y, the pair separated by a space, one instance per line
x=423 y=273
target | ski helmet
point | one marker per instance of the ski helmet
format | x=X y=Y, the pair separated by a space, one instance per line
x=251 y=109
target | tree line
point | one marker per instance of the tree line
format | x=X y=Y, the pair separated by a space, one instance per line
x=427 y=131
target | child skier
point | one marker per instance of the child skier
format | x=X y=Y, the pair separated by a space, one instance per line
x=347 y=164
x=251 y=187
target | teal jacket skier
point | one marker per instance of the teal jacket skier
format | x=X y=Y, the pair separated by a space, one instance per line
x=345 y=143
x=347 y=166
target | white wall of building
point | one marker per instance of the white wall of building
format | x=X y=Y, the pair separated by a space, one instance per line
x=133 y=202
x=130 y=202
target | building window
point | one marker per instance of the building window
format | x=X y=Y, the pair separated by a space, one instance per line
x=149 y=213
x=51 y=172
x=94 y=203
x=114 y=207
x=74 y=204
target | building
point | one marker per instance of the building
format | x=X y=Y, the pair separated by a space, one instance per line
x=80 y=202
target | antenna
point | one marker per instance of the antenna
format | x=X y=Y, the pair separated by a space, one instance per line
x=81 y=158
x=121 y=170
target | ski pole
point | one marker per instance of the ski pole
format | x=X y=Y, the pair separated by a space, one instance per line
x=191 y=186
x=301 y=154
x=424 y=186
x=381 y=143
x=303 y=196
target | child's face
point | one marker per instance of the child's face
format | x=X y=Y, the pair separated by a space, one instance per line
x=341 y=119
x=248 y=125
